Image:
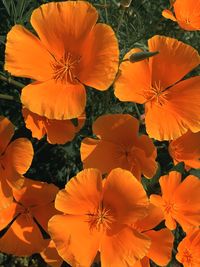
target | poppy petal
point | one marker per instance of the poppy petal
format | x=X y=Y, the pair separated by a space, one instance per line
x=7 y=215
x=20 y=61
x=51 y=256
x=82 y=193
x=154 y=217
x=125 y=195
x=132 y=89
x=54 y=100
x=175 y=58
x=35 y=193
x=23 y=238
x=161 y=246
x=102 y=155
x=17 y=160
x=120 y=249
x=6 y=194
x=112 y=128
x=6 y=133
x=64 y=26
x=69 y=233
x=168 y=15
x=99 y=63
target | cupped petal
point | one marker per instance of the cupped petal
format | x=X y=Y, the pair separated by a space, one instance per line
x=134 y=80
x=35 y=193
x=154 y=217
x=161 y=246
x=175 y=58
x=187 y=13
x=82 y=194
x=187 y=199
x=6 y=133
x=100 y=58
x=6 y=194
x=124 y=248
x=21 y=61
x=187 y=149
x=55 y=100
x=181 y=109
x=64 y=26
x=168 y=15
x=120 y=129
x=23 y=238
x=124 y=195
x=8 y=214
x=51 y=256
x=102 y=155
x=75 y=242
x=16 y=161
x=169 y=184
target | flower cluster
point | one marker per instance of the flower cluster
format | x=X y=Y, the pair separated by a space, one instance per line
x=105 y=213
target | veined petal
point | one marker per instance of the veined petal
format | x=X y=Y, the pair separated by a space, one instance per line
x=23 y=238
x=55 y=100
x=6 y=133
x=175 y=58
x=161 y=246
x=134 y=80
x=64 y=26
x=124 y=248
x=124 y=195
x=99 y=63
x=82 y=193
x=21 y=61
x=8 y=214
x=74 y=241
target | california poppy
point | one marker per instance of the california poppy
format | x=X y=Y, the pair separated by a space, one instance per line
x=71 y=51
x=119 y=145
x=180 y=201
x=189 y=249
x=51 y=256
x=32 y=205
x=161 y=240
x=15 y=160
x=97 y=217
x=172 y=105
x=186 y=149
x=187 y=14
x=57 y=131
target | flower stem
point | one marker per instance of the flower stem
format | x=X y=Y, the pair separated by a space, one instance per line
x=8 y=97
x=11 y=81
x=120 y=20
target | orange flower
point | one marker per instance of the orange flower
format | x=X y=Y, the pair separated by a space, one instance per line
x=189 y=249
x=96 y=217
x=186 y=149
x=57 y=131
x=71 y=52
x=171 y=106
x=187 y=14
x=15 y=160
x=180 y=201
x=50 y=255
x=32 y=205
x=161 y=240
x=119 y=145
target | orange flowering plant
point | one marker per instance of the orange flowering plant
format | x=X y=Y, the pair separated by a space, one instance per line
x=114 y=176
x=187 y=14
x=74 y=51
x=167 y=98
x=119 y=145
x=15 y=159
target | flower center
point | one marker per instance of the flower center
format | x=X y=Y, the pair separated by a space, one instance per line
x=168 y=207
x=187 y=257
x=156 y=94
x=101 y=219
x=65 y=69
